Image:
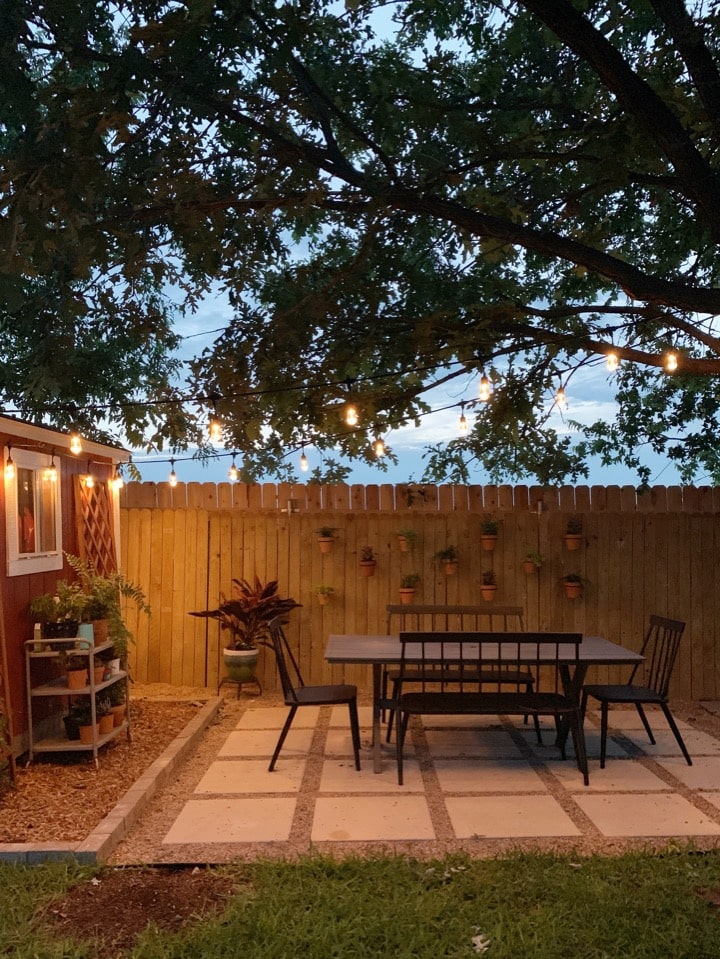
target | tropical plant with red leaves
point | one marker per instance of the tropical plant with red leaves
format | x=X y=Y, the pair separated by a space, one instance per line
x=248 y=613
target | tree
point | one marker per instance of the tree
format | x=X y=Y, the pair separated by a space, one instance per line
x=514 y=189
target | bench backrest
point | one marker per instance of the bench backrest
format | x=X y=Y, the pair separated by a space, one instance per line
x=458 y=660
x=488 y=618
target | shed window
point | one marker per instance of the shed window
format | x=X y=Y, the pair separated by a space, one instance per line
x=33 y=518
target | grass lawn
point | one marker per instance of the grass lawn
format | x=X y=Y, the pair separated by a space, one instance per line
x=636 y=906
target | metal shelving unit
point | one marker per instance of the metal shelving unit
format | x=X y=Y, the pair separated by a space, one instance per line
x=57 y=689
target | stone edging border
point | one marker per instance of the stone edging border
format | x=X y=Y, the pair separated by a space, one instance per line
x=107 y=835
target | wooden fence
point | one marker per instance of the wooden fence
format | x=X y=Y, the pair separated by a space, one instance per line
x=654 y=553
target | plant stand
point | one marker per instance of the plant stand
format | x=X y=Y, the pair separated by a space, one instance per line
x=240 y=683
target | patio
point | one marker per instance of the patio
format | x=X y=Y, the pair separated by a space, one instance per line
x=482 y=785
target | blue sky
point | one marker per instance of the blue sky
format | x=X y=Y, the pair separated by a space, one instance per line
x=589 y=394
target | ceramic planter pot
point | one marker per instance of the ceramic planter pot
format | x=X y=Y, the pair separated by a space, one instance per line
x=488 y=541
x=451 y=567
x=325 y=543
x=106 y=724
x=572 y=540
x=240 y=664
x=86 y=734
x=488 y=593
x=573 y=590
x=367 y=568
x=118 y=714
x=407 y=596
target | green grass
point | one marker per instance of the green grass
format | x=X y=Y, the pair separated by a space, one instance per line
x=638 y=906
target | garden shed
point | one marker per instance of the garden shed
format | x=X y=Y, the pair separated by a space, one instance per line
x=58 y=497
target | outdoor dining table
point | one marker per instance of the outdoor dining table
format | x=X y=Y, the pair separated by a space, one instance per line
x=383 y=650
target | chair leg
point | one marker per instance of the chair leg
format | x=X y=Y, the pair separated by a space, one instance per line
x=646 y=724
x=578 y=735
x=603 y=732
x=676 y=732
x=536 y=718
x=583 y=705
x=392 y=710
x=285 y=730
x=355 y=730
x=383 y=693
x=402 y=724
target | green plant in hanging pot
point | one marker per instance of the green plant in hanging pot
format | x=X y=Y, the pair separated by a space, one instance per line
x=449 y=558
x=408 y=585
x=488 y=533
x=247 y=616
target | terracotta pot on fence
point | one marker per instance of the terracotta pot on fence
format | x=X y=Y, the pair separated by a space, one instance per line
x=488 y=541
x=407 y=596
x=367 y=568
x=451 y=567
x=572 y=540
x=325 y=543
x=488 y=593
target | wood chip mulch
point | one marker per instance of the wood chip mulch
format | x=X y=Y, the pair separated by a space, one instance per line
x=63 y=798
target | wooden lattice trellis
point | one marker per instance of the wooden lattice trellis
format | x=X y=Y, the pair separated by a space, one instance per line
x=95 y=530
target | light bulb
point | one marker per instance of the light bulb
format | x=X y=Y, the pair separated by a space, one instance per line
x=671 y=361
x=485 y=391
x=233 y=472
x=9 y=467
x=215 y=429
x=612 y=361
x=51 y=471
x=304 y=465
x=172 y=478
x=75 y=444
x=561 y=399
x=89 y=481
x=117 y=482
x=379 y=447
x=351 y=415
x=463 y=421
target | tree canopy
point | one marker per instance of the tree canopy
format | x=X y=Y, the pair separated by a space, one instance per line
x=391 y=196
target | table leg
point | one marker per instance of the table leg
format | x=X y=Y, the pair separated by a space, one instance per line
x=377 y=710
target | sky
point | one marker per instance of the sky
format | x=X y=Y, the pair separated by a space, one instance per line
x=589 y=395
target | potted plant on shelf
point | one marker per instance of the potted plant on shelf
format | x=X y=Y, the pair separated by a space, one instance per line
x=325 y=538
x=532 y=562
x=573 y=533
x=489 y=533
x=408 y=585
x=83 y=714
x=102 y=605
x=76 y=671
x=407 y=539
x=368 y=561
x=573 y=585
x=59 y=613
x=449 y=558
x=103 y=712
x=116 y=696
x=246 y=616
x=488 y=587
x=323 y=592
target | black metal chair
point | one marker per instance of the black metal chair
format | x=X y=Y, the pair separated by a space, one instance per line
x=297 y=694
x=660 y=648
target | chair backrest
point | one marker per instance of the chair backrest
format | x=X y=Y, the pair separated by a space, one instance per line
x=288 y=669
x=660 y=648
x=486 y=618
x=460 y=660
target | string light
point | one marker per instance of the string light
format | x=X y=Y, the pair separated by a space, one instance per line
x=485 y=389
x=51 y=472
x=671 y=361
x=89 y=479
x=172 y=478
x=351 y=415
x=233 y=471
x=379 y=447
x=463 y=421
x=612 y=361
x=304 y=465
x=215 y=425
x=561 y=399
x=75 y=444
x=117 y=482
x=9 y=465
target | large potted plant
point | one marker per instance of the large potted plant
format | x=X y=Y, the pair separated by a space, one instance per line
x=246 y=616
x=102 y=604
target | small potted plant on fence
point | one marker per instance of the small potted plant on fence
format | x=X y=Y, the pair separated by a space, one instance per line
x=407 y=539
x=573 y=585
x=573 y=533
x=449 y=558
x=323 y=592
x=325 y=538
x=246 y=616
x=489 y=533
x=532 y=562
x=408 y=585
x=368 y=561
x=488 y=587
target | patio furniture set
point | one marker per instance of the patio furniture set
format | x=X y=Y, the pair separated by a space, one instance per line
x=454 y=668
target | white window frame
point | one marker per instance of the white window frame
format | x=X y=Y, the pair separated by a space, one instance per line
x=22 y=564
